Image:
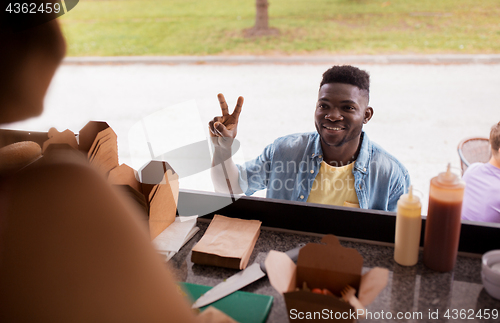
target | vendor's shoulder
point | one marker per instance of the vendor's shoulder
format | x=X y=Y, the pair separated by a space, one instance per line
x=66 y=190
x=61 y=178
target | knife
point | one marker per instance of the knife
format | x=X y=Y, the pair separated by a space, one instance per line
x=239 y=280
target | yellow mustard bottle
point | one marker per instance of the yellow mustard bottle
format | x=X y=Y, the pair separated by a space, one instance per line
x=408 y=227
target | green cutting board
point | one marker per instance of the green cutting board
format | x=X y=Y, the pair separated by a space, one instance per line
x=243 y=307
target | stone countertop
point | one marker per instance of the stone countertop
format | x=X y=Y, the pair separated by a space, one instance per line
x=411 y=290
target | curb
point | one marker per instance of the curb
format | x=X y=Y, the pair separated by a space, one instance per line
x=249 y=60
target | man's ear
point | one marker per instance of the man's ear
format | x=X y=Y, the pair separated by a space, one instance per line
x=368 y=115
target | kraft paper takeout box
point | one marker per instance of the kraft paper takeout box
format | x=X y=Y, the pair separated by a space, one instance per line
x=328 y=265
x=100 y=143
x=160 y=181
x=157 y=193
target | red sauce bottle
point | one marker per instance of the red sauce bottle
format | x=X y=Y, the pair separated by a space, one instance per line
x=442 y=228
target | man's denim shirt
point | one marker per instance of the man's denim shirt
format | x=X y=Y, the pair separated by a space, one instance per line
x=287 y=169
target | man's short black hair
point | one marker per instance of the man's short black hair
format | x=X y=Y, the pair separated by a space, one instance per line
x=349 y=75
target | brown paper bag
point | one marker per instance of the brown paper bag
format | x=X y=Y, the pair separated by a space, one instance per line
x=228 y=242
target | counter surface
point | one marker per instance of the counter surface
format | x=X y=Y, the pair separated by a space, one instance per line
x=410 y=290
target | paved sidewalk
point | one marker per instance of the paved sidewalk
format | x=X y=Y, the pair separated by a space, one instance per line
x=341 y=59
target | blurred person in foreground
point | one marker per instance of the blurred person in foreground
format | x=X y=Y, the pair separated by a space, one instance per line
x=71 y=249
x=337 y=164
x=482 y=190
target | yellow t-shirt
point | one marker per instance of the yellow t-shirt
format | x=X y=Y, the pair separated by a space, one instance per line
x=334 y=186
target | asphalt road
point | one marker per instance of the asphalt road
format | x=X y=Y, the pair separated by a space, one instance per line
x=421 y=111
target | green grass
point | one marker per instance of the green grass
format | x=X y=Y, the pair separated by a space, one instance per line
x=211 y=27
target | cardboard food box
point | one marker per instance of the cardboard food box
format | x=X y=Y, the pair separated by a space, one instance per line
x=100 y=143
x=328 y=265
x=160 y=184
x=156 y=192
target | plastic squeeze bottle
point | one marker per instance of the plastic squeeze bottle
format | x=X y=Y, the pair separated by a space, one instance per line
x=408 y=226
x=442 y=228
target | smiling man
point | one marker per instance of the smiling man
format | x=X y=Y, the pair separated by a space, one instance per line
x=335 y=165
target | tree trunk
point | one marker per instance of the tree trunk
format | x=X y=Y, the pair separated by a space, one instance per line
x=261 y=27
x=261 y=17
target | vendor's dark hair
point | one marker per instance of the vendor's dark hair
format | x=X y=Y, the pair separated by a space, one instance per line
x=495 y=138
x=347 y=74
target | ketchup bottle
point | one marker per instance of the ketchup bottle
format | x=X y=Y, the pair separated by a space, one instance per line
x=442 y=228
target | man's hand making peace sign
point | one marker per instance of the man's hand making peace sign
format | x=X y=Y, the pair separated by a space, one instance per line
x=223 y=129
x=222 y=132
